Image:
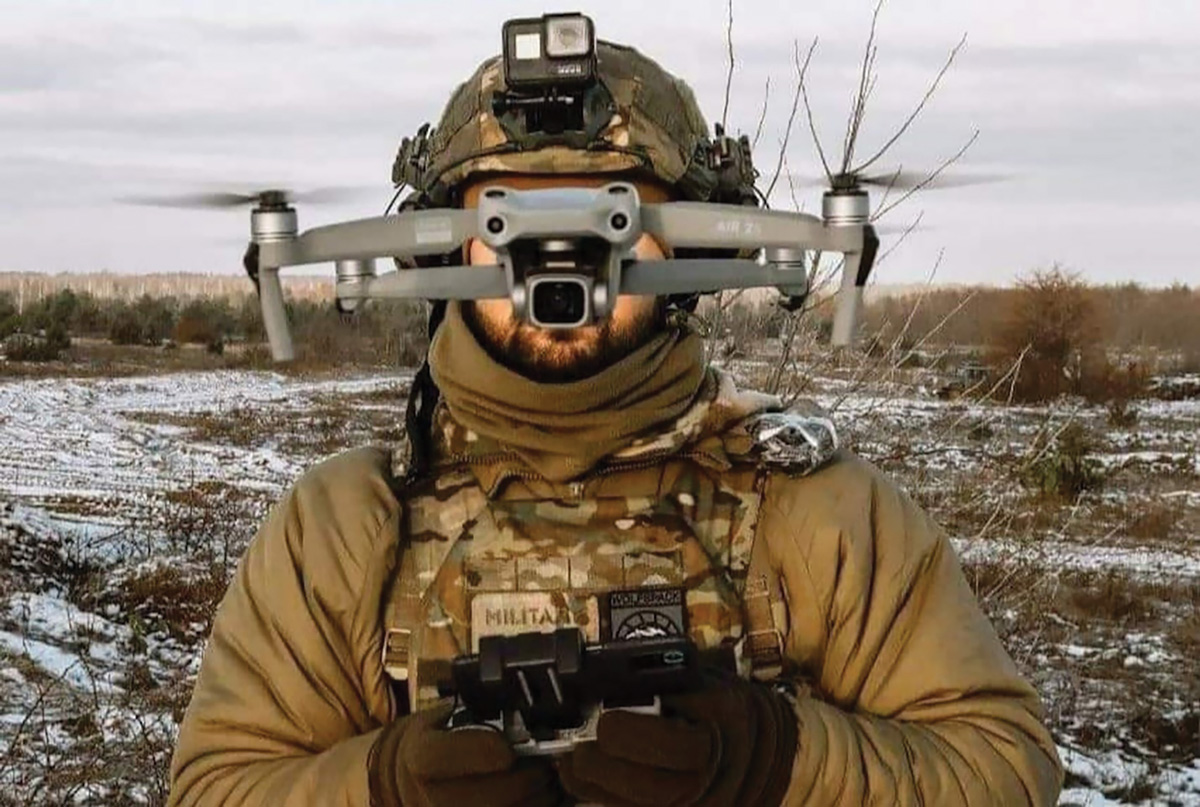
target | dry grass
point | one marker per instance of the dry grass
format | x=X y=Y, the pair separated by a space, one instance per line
x=174 y=600
x=93 y=358
x=1104 y=696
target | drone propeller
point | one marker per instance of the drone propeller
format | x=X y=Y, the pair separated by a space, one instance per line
x=900 y=229
x=900 y=180
x=910 y=180
x=271 y=197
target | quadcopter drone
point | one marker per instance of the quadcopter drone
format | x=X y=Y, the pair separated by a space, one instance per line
x=565 y=254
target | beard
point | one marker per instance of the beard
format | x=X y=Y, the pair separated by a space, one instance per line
x=557 y=356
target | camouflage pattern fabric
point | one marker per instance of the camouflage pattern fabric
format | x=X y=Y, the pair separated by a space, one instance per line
x=674 y=509
x=656 y=129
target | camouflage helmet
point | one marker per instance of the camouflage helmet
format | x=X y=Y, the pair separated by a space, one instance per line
x=648 y=124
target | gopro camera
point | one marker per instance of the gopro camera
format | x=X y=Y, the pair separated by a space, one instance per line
x=554 y=50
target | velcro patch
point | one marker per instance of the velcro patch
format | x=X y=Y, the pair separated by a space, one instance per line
x=509 y=613
x=646 y=613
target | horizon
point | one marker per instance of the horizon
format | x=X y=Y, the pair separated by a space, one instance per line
x=307 y=284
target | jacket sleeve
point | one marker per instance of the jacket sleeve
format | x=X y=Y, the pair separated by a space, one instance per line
x=911 y=698
x=290 y=692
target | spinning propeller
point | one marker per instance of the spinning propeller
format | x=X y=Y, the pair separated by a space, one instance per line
x=269 y=197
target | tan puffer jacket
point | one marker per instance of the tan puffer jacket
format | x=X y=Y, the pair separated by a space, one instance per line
x=913 y=701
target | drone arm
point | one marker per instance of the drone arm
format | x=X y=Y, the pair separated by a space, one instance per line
x=274 y=314
x=419 y=232
x=441 y=283
x=703 y=225
x=687 y=276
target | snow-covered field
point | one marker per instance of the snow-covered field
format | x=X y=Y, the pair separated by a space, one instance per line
x=124 y=504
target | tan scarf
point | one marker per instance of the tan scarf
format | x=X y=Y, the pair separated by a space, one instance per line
x=563 y=430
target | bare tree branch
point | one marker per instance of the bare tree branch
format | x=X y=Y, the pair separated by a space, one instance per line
x=792 y=326
x=762 y=115
x=797 y=205
x=921 y=106
x=903 y=237
x=812 y=125
x=891 y=186
x=883 y=210
x=802 y=71
x=866 y=81
x=729 y=75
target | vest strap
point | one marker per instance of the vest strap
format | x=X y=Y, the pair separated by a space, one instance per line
x=401 y=616
x=766 y=614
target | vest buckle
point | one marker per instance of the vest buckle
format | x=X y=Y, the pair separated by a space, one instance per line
x=396 y=644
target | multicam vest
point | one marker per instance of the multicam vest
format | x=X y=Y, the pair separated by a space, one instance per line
x=658 y=541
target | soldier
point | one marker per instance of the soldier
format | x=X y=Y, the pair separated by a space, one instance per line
x=583 y=478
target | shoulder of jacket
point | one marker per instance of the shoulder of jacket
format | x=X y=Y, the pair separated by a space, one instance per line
x=349 y=495
x=844 y=474
x=336 y=530
x=849 y=495
x=346 y=473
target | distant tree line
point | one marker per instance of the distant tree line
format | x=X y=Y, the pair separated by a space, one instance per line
x=1055 y=334
x=1049 y=335
x=1125 y=316
x=1052 y=333
x=385 y=332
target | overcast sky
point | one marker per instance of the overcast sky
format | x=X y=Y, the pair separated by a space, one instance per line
x=1092 y=107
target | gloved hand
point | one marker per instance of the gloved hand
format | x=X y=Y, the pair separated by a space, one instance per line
x=417 y=763
x=729 y=745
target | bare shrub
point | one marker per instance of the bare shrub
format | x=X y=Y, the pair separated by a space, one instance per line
x=1117 y=385
x=1130 y=318
x=204 y=322
x=44 y=347
x=177 y=600
x=1062 y=467
x=10 y=317
x=385 y=333
x=1050 y=324
x=146 y=321
x=1121 y=413
x=1111 y=596
x=977 y=311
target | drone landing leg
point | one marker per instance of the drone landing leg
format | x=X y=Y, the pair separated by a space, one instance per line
x=274 y=315
x=856 y=269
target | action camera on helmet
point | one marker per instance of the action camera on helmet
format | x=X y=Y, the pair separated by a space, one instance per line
x=551 y=87
x=555 y=50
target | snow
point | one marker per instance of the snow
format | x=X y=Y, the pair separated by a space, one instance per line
x=86 y=463
x=1104 y=779
x=1141 y=561
x=83 y=439
x=55 y=661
